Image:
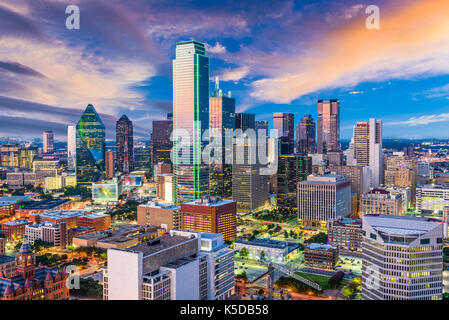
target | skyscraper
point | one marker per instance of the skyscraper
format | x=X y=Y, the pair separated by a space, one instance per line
x=402 y=258
x=124 y=145
x=262 y=125
x=368 y=148
x=221 y=119
x=48 y=142
x=305 y=136
x=328 y=131
x=190 y=120
x=245 y=121
x=109 y=164
x=284 y=123
x=71 y=147
x=90 y=147
x=161 y=143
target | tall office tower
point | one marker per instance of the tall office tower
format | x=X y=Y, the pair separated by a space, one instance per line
x=245 y=121
x=124 y=145
x=409 y=152
x=402 y=258
x=249 y=186
x=71 y=147
x=328 y=126
x=335 y=158
x=109 y=164
x=180 y=266
x=221 y=120
x=325 y=197
x=26 y=156
x=368 y=148
x=210 y=214
x=48 y=142
x=191 y=117
x=291 y=170
x=349 y=154
x=284 y=123
x=305 y=136
x=90 y=147
x=160 y=142
x=262 y=125
x=142 y=159
x=401 y=171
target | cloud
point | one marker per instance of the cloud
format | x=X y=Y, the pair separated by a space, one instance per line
x=413 y=40
x=18 y=68
x=235 y=74
x=439 y=92
x=217 y=48
x=422 y=120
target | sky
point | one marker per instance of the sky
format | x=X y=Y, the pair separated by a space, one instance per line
x=274 y=56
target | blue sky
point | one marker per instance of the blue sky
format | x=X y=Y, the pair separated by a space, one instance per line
x=273 y=56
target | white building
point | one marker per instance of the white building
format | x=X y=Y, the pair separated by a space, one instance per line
x=431 y=199
x=181 y=266
x=402 y=258
x=71 y=147
x=321 y=198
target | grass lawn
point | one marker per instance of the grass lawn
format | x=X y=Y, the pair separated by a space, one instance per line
x=323 y=281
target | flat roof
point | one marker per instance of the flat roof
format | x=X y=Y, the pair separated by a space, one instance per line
x=158 y=244
x=319 y=246
x=5 y=259
x=16 y=222
x=45 y=204
x=265 y=242
x=401 y=225
x=209 y=202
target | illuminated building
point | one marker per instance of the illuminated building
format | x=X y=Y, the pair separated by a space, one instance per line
x=42 y=206
x=305 y=136
x=381 y=201
x=9 y=155
x=33 y=283
x=161 y=143
x=210 y=214
x=48 y=142
x=401 y=171
x=245 y=121
x=164 y=187
x=431 y=199
x=124 y=145
x=190 y=117
x=26 y=157
x=14 y=230
x=284 y=123
x=55 y=233
x=402 y=258
x=273 y=250
x=181 y=266
x=321 y=255
x=321 y=198
x=107 y=191
x=142 y=159
x=71 y=148
x=328 y=126
x=165 y=215
x=221 y=119
x=345 y=233
x=90 y=147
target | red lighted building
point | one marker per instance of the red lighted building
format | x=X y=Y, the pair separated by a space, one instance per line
x=95 y=220
x=33 y=283
x=210 y=214
x=14 y=229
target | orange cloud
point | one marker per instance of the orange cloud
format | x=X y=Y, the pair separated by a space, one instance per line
x=413 y=40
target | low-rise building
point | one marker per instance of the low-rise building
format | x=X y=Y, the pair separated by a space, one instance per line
x=14 y=230
x=345 y=233
x=55 y=233
x=431 y=199
x=98 y=221
x=381 y=201
x=41 y=206
x=165 y=215
x=271 y=250
x=321 y=255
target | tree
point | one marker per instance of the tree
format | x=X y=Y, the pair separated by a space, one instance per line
x=318 y=238
x=347 y=292
x=262 y=256
x=244 y=253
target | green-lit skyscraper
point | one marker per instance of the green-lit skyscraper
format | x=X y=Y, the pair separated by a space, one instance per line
x=90 y=147
x=190 y=120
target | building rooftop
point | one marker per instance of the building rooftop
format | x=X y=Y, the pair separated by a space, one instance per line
x=161 y=205
x=16 y=222
x=209 y=201
x=265 y=242
x=13 y=199
x=326 y=178
x=6 y=259
x=401 y=225
x=62 y=214
x=158 y=244
x=319 y=246
x=46 y=204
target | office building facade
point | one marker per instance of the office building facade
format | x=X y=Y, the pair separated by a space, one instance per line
x=124 y=145
x=328 y=126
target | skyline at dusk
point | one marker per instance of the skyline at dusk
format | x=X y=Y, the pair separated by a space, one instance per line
x=272 y=58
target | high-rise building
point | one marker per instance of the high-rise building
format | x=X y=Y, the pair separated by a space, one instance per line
x=262 y=125
x=284 y=123
x=210 y=214
x=291 y=170
x=305 y=136
x=48 y=142
x=109 y=164
x=181 y=266
x=328 y=126
x=321 y=198
x=368 y=148
x=124 y=145
x=402 y=258
x=71 y=148
x=221 y=120
x=142 y=159
x=191 y=117
x=245 y=121
x=401 y=171
x=431 y=199
x=161 y=143
x=90 y=147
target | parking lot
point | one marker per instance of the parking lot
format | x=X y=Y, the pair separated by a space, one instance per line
x=350 y=264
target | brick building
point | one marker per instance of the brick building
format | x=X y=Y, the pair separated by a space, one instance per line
x=321 y=255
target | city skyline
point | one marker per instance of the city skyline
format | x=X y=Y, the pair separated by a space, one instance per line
x=129 y=71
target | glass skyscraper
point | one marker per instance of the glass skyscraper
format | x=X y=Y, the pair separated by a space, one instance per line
x=328 y=121
x=124 y=145
x=190 y=120
x=90 y=147
x=284 y=123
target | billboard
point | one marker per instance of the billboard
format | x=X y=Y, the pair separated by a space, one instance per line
x=105 y=192
x=133 y=180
